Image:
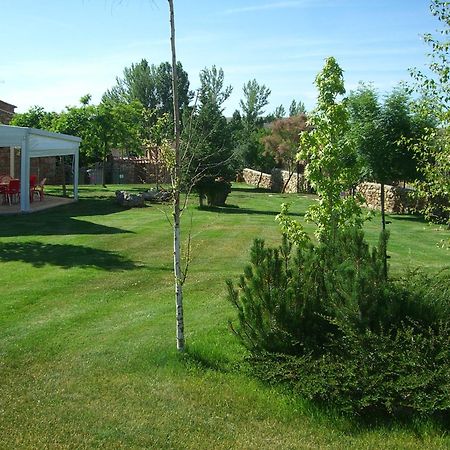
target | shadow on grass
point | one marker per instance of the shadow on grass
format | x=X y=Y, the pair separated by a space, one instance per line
x=217 y=363
x=61 y=221
x=408 y=218
x=233 y=209
x=252 y=190
x=64 y=256
x=100 y=205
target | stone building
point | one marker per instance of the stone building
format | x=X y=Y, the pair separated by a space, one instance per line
x=6 y=112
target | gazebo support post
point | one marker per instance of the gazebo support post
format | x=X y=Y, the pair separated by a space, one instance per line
x=75 y=175
x=63 y=175
x=24 y=176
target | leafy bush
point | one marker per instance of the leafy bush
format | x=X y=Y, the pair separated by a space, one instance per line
x=367 y=372
x=215 y=190
x=324 y=318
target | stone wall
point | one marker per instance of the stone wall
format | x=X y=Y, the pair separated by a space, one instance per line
x=255 y=178
x=397 y=199
x=295 y=182
x=276 y=180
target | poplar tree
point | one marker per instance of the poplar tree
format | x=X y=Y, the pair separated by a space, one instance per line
x=332 y=168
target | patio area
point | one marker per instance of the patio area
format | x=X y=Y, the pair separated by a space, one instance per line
x=49 y=201
x=28 y=145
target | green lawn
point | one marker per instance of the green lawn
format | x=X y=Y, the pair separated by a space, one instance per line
x=87 y=333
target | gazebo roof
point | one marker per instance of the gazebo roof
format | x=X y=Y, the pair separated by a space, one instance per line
x=40 y=142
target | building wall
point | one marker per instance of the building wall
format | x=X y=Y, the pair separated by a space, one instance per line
x=41 y=167
x=6 y=112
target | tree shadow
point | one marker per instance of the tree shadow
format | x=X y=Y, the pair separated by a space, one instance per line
x=408 y=218
x=100 y=205
x=64 y=256
x=233 y=209
x=194 y=357
x=61 y=221
x=252 y=190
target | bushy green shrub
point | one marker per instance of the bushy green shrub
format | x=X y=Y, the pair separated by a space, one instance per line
x=367 y=372
x=215 y=190
x=324 y=318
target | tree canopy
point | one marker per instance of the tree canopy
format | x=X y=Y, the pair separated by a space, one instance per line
x=433 y=150
x=256 y=97
x=383 y=132
x=283 y=138
x=151 y=85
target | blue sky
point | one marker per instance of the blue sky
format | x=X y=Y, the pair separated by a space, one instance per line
x=55 y=51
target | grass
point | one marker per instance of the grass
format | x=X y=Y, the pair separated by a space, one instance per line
x=87 y=346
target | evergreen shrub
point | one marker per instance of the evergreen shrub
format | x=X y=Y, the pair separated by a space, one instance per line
x=324 y=318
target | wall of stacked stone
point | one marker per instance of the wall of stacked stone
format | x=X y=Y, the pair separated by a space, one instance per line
x=256 y=178
x=276 y=180
x=295 y=182
x=397 y=199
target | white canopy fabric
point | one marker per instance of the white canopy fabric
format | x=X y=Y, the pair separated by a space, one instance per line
x=36 y=143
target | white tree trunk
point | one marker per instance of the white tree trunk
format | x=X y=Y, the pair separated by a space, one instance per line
x=176 y=182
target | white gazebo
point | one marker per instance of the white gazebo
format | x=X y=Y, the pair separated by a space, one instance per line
x=35 y=143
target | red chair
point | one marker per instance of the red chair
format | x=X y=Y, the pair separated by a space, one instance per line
x=13 y=191
x=33 y=180
x=4 y=179
x=4 y=184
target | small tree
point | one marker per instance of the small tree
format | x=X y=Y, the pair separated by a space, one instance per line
x=332 y=166
x=382 y=133
x=282 y=142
